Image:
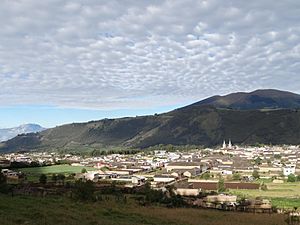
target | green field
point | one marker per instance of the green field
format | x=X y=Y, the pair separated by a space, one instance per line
x=287 y=190
x=286 y=195
x=59 y=210
x=33 y=173
x=67 y=169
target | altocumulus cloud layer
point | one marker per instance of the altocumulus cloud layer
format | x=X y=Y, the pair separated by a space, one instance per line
x=122 y=54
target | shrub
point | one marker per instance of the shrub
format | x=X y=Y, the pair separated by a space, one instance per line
x=263 y=186
x=221 y=185
x=3 y=185
x=43 y=179
x=291 y=178
x=54 y=178
x=255 y=174
x=83 y=190
x=236 y=176
x=205 y=176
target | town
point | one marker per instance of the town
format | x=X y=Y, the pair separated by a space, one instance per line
x=222 y=176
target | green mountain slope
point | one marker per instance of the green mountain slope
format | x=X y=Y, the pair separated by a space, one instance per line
x=195 y=124
x=259 y=99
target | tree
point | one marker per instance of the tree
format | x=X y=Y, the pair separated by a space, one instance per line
x=43 y=179
x=61 y=177
x=221 y=185
x=205 y=176
x=176 y=201
x=263 y=186
x=277 y=156
x=2 y=177
x=95 y=152
x=291 y=178
x=54 y=178
x=236 y=176
x=83 y=191
x=34 y=164
x=255 y=174
x=171 y=190
x=257 y=161
x=71 y=176
x=3 y=183
x=169 y=148
x=83 y=170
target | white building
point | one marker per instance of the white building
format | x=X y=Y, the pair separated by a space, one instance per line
x=290 y=169
x=163 y=178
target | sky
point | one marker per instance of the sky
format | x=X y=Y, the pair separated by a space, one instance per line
x=72 y=61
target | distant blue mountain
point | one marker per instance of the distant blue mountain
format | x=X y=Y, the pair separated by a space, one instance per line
x=8 y=133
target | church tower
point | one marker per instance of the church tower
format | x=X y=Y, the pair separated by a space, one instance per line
x=224 y=145
x=229 y=144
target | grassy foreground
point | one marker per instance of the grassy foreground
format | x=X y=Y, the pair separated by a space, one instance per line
x=60 y=210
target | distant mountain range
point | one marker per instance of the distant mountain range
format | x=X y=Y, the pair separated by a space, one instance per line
x=8 y=133
x=262 y=116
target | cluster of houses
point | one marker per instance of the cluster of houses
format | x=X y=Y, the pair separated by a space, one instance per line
x=268 y=161
x=13 y=175
x=190 y=171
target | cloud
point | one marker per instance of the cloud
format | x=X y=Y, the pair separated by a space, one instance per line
x=142 y=54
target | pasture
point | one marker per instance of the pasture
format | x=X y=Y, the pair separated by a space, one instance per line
x=66 y=169
x=286 y=195
x=285 y=190
x=33 y=173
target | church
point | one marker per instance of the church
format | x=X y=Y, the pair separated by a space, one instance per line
x=225 y=146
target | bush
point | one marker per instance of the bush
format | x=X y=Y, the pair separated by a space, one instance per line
x=176 y=201
x=236 y=176
x=205 y=176
x=84 y=190
x=61 y=178
x=3 y=185
x=255 y=174
x=152 y=196
x=221 y=185
x=54 y=178
x=291 y=178
x=43 y=179
x=263 y=186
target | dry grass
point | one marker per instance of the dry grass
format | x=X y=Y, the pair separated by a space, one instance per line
x=286 y=195
x=36 y=211
x=285 y=190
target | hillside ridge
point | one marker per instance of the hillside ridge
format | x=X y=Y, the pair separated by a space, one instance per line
x=272 y=118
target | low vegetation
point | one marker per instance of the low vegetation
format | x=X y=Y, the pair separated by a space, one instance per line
x=109 y=211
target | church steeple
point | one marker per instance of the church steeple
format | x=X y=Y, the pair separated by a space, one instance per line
x=229 y=144
x=224 y=145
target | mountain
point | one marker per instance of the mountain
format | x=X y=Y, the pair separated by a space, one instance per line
x=8 y=133
x=259 y=99
x=263 y=116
